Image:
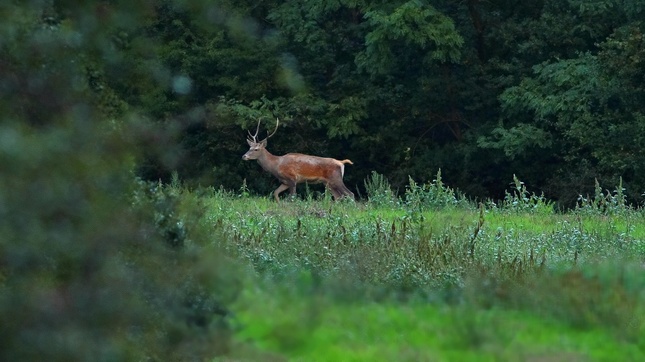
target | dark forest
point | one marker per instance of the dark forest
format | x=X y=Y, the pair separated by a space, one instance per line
x=550 y=91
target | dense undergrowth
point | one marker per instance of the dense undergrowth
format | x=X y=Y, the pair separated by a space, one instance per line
x=581 y=269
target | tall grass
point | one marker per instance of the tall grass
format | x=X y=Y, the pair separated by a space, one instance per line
x=413 y=235
x=582 y=267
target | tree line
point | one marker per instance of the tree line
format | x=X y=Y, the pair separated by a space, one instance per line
x=550 y=91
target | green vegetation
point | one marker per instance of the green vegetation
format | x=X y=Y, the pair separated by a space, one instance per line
x=418 y=281
x=549 y=90
x=306 y=328
x=130 y=229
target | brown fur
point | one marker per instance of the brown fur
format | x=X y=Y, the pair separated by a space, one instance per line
x=294 y=168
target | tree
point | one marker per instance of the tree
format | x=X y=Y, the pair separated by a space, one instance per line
x=402 y=88
x=586 y=111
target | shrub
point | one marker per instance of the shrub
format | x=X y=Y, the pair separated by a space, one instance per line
x=609 y=203
x=379 y=191
x=431 y=195
x=520 y=200
x=89 y=272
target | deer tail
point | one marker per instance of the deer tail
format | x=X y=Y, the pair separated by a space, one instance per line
x=347 y=161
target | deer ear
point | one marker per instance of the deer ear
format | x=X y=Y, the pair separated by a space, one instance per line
x=249 y=142
x=263 y=143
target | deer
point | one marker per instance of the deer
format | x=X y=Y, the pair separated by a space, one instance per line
x=294 y=168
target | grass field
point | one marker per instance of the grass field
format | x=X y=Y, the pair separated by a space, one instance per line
x=431 y=277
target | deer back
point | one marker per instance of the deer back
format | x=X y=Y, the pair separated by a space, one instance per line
x=300 y=167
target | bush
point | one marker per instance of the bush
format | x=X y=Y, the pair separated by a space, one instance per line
x=93 y=266
x=88 y=273
x=520 y=200
x=604 y=203
x=431 y=195
x=379 y=191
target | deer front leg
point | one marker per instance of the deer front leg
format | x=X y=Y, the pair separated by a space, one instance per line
x=277 y=191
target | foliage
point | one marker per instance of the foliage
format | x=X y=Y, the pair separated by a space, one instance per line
x=434 y=195
x=579 y=102
x=321 y=258
x=379 y=191
x=523 y=201
x=331 y=331
x=413 y=24
x=91 y=267
x=146 y=285
x=608 y=203
x=550 y=90
x=114 y=110
x=384 y=247
x=201 y=283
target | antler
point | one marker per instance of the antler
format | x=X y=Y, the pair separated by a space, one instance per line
x=253 y=137
x=277 y=122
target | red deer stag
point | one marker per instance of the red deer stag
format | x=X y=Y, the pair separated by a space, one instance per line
x=294 y=168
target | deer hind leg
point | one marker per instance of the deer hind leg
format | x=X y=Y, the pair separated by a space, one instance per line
x=339 y=190
x=346 y=191
x=334 y=191
x=337 y=186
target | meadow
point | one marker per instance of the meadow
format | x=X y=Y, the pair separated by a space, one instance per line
x=427 y=275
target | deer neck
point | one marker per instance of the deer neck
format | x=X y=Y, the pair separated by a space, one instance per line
x=268 y=161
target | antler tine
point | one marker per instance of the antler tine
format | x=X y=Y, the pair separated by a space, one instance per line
x=253 y=137
x=277 y=122
x=257 y=129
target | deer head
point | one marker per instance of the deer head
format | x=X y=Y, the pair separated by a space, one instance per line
x=257 y=147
